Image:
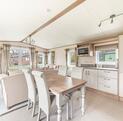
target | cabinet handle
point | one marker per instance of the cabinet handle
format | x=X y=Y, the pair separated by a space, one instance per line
x=85 y=72
x=106 y=86
x=107 y=71
x=106 y=79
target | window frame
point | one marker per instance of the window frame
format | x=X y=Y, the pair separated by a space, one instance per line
x=69 y=64
x=17 y=51
x=106 y=62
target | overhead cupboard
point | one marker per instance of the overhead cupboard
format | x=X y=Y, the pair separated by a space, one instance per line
x=85 y=50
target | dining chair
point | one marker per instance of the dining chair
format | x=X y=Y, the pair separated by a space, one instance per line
x=77 y=72
x=44 y=95
x=31 y=90
x=1 y=90
x=62 y=70
x=14 y=90
x=69 y=70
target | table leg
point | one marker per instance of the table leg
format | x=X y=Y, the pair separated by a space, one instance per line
x=59 y=109
x=83 y=100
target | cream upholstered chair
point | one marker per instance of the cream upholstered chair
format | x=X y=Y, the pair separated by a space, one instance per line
x=62 y=70
x=69 y=70
x=31 y=89
x=1 y=90
x=44 y=95
x=43 y=92
x=14 y=90
x=14 y=72
x=77 y=72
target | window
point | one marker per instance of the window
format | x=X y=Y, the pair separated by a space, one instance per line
x=40 y=59
x=19 y=58
x=107 y=56
x=51 y=57
x=71 y=58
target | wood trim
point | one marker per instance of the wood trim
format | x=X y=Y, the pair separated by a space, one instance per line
x=62 y=13
x=22 y=44
x=106 y=43
x=116 y=97
x=90 y=42
x=97 y=41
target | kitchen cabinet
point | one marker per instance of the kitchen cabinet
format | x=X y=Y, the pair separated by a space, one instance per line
x=108 y=81
x=90 y=75
x=103 y=80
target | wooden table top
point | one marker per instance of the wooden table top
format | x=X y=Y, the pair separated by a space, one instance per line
x=61 y=84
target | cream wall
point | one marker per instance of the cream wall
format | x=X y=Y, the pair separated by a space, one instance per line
x=60 y=54
x=121 y=66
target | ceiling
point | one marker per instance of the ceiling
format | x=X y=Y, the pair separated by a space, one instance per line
x=18 y=18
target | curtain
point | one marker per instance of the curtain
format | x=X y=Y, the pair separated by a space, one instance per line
x=53 y=57
x=71 y=57
x=67 y=50
x=46 y=58
x=5 y=58
x=0 y=60
x=33 y=58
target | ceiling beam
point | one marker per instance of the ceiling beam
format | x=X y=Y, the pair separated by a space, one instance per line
x=62 y=13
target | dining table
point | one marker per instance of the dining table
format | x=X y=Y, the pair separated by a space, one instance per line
x=63 y=85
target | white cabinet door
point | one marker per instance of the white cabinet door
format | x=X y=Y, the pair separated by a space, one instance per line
x=93 y=78
x=108 y=73
x=90 y=75
x=85 y=75
x=108 y=81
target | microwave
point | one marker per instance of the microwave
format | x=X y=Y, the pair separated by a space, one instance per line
x=83 y=51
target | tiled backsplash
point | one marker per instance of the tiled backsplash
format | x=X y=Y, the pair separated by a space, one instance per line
x=86 y=60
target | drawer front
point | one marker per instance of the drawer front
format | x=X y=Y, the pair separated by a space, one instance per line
x=107 y=73
x=108 y=85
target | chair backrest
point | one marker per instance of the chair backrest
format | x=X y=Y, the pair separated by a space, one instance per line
x=43 y=91
x=69 y=70
x=14 y=90
x=30 y=84
x=62 y=70
x=14 y=72
x=77 y=72
x=1 y=90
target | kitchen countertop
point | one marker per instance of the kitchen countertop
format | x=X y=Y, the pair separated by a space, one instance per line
x=111 y=69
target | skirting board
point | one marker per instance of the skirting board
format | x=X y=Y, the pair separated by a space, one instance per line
x=116 y=97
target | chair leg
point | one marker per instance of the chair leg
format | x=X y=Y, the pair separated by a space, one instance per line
x=28 y=105
x=70 y=109
x=39 y=115
x=33 y=109
x=48 y=117
x=67 y=106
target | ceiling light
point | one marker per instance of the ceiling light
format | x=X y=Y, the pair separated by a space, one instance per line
x=112 y=20
x=100 y=24
x=111 y=17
